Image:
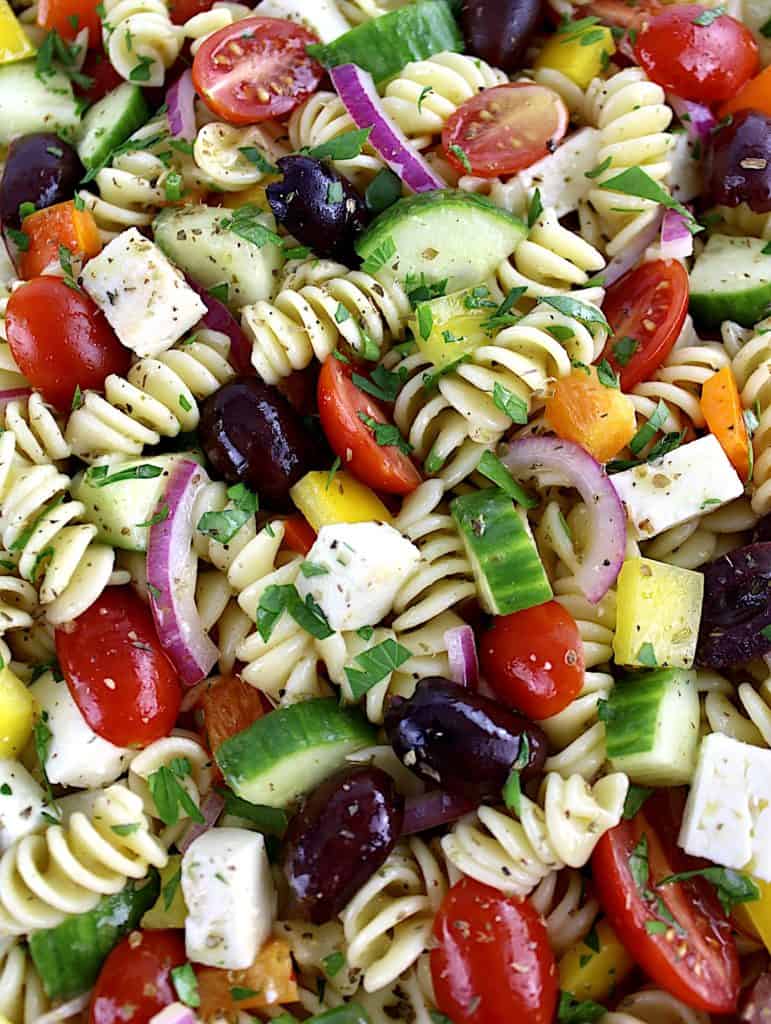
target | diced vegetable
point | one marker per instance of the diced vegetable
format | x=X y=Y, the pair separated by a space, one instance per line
x=450 y=326
x=659 y=609
x=722 y=408
x=591 y=969
x=580 y=54
x=22 y=803
x=755 y=95
x=55 y=226
x=255 y=195
x=325 y=499
x=30 y=104
x=16 y=713
x=14 y=42
x=598 y=417
x=755 y=915
x=731 y=280
x=110 y=122
x=268 y=982
x=169 y=910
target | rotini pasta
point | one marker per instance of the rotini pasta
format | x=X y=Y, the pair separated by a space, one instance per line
x=567 y=909
x=654 y=1006
x=218 y=152
x=22 y=1000
x=38 y=434
x=751 y=365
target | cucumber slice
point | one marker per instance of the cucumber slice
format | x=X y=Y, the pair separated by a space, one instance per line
x=652 y=727
x=121 y=510
x=447 y=235
x=193 y=237
x=110 y=122
x=28 y=104
x=289 y=752
x=731 y=280
x=384 y=45
x=499 y=542
x=69 y=957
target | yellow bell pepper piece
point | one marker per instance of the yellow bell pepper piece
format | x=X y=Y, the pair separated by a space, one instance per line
x=587 y=974
x=17 y=711
x=449 y=327
x=4 y=1020
x=14 y=42
x=755 y=916
x=255 y=195
x=659 y=609
x=343 y=499
x=578 y=53
x=169 y=910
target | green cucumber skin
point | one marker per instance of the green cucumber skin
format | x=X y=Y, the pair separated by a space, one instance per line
x=27 y=104
x=731 y=280
x=384 y=45
x=117 y=116
x=315 y=734
x=69 y=957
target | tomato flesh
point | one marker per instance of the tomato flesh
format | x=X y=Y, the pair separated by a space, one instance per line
x=534 y=659
x=696 y=959
x=646 y=309
x=504 y=129
x=702 y=62
x=341 y=405
x=492 y=963
x=61 y=340
x=135 y=981
x=117 y=672
x=256 y=69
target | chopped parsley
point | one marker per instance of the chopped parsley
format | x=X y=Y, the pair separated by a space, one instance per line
x=277 y=598
x=386 y=434
x=374 y=665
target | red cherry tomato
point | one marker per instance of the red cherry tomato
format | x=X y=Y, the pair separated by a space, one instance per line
x=117 y=672
x=68 y=17
x=61 y=340
x=695 y=960
x=104 y=77
x=534 y=659
x=503 y=129
x=493 y=963
x=647 y=305
x=256 y=69
x=137 y=974
x=183 y=10
x=382 y=467
x=705 y=62
x=622 y=13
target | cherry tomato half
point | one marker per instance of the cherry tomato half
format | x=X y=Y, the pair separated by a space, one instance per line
x=61 y=340
x=117 y=672
x=137 y=974
x=696 y=958
x=104 y=77
x=341 y=406
x=534 y=659
x=646 y=309
x=493 y=963
x=503 y=129
x=68 y=17
x=696 y=56
x=621 y=13
x=256 y=69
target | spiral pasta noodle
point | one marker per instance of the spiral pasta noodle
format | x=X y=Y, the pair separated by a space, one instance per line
x=38 y=435
x=66 y=870
x=742 y=712
x=217 y=151
x=514 y=856
x=692 y=544
x=567 y=911
x=22 y=1000
x=359 y=11
x=751 y=365
x=654 y=1006
x=18 y=602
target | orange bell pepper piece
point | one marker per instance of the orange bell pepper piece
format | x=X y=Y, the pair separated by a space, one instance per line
x=229 y=706
x=755 y=95
x=722 y=408
x=599 y=418
x=268 y=982
x=299 y=535
x=59 y=225
x=68 y=17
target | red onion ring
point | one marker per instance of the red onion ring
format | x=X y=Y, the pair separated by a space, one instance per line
x=219 y=318
x=212 y=806
x=180 y=101
x=13 y=393
x=462 y=655
x=676 y=239
x=698 y=120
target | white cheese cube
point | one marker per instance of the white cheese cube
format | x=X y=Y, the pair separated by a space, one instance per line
x=230 y=898
x=366 y=565
x=22 y=803
x=145 y=298
x=561 y=176
x=323 y=17
x=76 y=755
x=690 y=481
x=727 y=816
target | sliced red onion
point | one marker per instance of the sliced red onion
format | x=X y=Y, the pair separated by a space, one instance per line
x=697 y=118
x=172 y=583
x=632 y=253
x=433 y=809
x=174 y=1013
x=13 y=393
x=356 y=89
x=180 y=101
x=462 y=655
x=676 y=239
x=219 y=318
x=211 y=807
x=604 y=555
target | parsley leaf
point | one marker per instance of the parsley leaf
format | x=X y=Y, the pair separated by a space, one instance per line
x=624 y=349
x=169 y=795
x=491 y=467
x=344 y=147
x=169 y=890
x=383 y=191
x=635 y=798
x=100 y=476
x=581 y=311
x=733 y=887
x=261 y=162
x=333 y=964
x=606 y=376
x=386 y=434
x=186 y=985
x=461 y=155
x=572 y=1011
x=223 y=526
x=245 y=223
x=375 y=665
x=42 y=735
x=379 y=256
x=383 y=384
x=635 y=182
x=272 y=821
x=276 y=599
x=509 y=403
x=707 y=17
x=535 y=209
x=638 y=864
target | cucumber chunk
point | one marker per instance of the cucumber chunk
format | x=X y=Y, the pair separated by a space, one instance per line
x=289 y=752
x=384 y=45
x=447 y=235
x=69 y=957
x=652 y=727
x=499 y=542
x=28 y=104
x=195 y=239
x=731 y=280
x=110 y=122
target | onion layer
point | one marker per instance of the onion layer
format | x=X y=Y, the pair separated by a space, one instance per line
x=676 y=239
x=462 y=655
x=180 y=100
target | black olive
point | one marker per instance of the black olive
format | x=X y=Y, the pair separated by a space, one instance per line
x=737 y=607
x=40 y=169
x=500 y=30
x=739 y=162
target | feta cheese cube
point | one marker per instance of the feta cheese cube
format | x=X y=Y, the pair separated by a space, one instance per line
x=691 y=480
x=145 y=298
x=561 y=176
x=366 y=565
x=728 y=813
x=230 y=898
x=22 y=803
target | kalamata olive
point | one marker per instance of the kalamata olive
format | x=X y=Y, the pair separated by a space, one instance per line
x=252 y=435
x=499 y=30
x=737 y=607
x=739 y=162
x=761 y=531
x=756 y=1001
x=318 y=206
x=465 y=743
x=338 y=839
x=39 y=169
